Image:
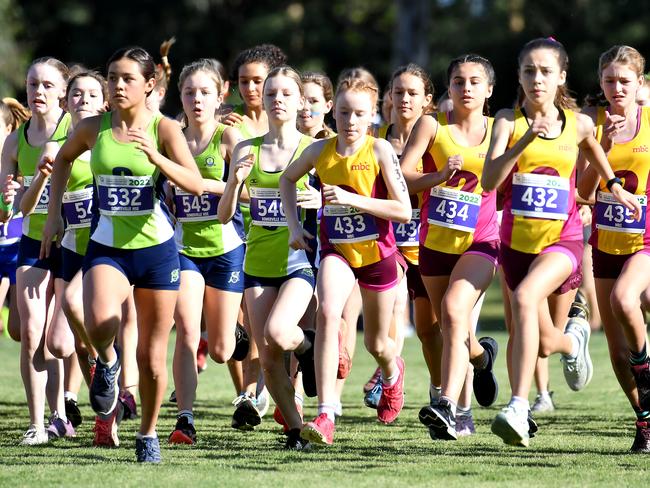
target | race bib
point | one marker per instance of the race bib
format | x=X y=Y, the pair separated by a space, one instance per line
x=408 y=234
x=541 y=196
x=614 y=216
x=41 y=206
x=454 y=209
x=346 y=224
x=193 y=208
x=125 y=195
x=266 y=208
x=77 y=207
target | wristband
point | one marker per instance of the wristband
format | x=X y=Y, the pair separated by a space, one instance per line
x=7 y=207
x=613 y=181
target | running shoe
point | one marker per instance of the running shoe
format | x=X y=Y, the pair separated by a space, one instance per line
x=486 y=388
x=641 y=442
x=172 y=397
x=59 y=428
x=543 y=403
x=641 y=373
x=345 y=363
x=374 y=379
x=242 y=344
x=532 y=425
x=392 y=397
x=465 y=424
x=246 y=415
x=72 y=412
x=319 y=431
x=512 y=426
x=372 y=397
x=306 y=363
x=578 y=370
x=104 y=391
x=439 y=419
x=35 y=436
x=184 y=432
x=262 y=401
x=580 y=307
x=106 y=430
x=147 y=450
x=202 y=356
x=295 y=442
x=128 y=403
x=279 y=418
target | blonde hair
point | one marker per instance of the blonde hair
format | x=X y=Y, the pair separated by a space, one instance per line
x=360 y=80
x=289 y=72
x=321 y=80
x=13 y=113
x=623 y=55
x=164 y=69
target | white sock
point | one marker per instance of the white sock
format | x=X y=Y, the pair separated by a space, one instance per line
x=519 y=404
x=328 y=409
x=62 y=416
x=544 y=394
x=68 y=395
x=138 y=435
x=110 y=364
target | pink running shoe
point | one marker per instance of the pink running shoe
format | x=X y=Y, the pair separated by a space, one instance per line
x=392 y=397
x=106 y=431
x=58 y=428
x=319 y=431
x=129 y=405
x=345 y=363
x=202 y=356
x=376 y=376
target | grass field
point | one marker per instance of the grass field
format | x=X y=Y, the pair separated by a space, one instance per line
x=584 y=443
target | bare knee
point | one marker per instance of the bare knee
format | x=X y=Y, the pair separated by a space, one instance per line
x=624 y=304
x=375 y=346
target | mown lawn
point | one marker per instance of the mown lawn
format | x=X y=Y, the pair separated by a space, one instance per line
x=584 y=443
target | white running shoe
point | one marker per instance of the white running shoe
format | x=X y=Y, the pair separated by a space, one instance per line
x=35 y=436
x=262 y=402
x=543 y=403
x=512 y=426
x=579 y=370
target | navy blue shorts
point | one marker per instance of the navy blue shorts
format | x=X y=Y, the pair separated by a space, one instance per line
x=306 y=274
x=8 y=261
x=72 y=263
x=223 y=272
x=154 y=267
x=28 y=253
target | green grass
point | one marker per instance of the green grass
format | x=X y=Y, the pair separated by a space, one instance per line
x=584 y=443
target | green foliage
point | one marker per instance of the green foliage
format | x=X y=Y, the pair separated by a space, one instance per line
x=13 y=56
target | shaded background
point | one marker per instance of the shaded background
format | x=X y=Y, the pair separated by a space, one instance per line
x=326 y=35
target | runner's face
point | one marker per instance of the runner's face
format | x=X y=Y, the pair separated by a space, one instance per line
x=45 y=88
x=251 y=82
x=200 y=97
x=540 y=75
x=313 y=114
x=127 y=86
x=408 y=97
x=468 y=86
x=85 y=98
x=353 y=114
x=282 y=98
x=620 y=83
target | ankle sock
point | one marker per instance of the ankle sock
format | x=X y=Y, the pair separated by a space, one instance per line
x=328 y=409
x=68 y=395
x=639 y=357
x=188 y=414
x=519 y=404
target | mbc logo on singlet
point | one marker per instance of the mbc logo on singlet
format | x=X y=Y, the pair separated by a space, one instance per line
x=640 y=149
x=360 y=167
x=565 y=147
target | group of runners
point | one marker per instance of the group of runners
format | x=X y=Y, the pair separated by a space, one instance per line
x=261 y=234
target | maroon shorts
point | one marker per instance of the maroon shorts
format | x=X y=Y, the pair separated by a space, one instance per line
x=414 y=282
x=436 y=263
x=515 y=264
x=609 y=266
x=379 y=276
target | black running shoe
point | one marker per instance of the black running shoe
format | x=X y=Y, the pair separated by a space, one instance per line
x=242 y=344
x=641 y=442
x=486 y=388
x=440 y=420
x=72 y=412
x=103 y=388
x=184 y=432
x=641 y=373
x=532 y=425
x=306 y=362
x=246 y=415
x=295 y=442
